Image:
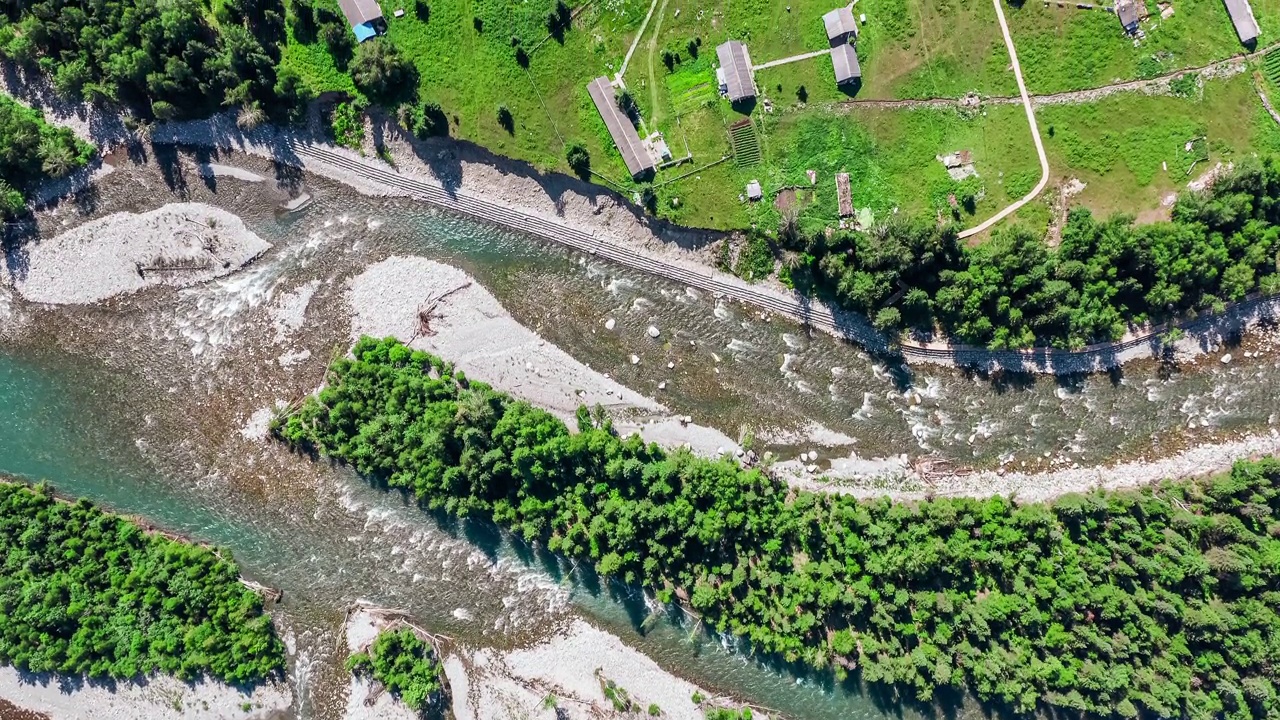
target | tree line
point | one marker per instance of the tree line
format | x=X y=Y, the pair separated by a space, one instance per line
x=1014 y=291
x=1161 y=601
x=84 y=592
x=405 y=664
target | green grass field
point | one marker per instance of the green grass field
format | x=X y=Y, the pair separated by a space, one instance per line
x=1068 y=49
x=464 y=53
x=1120 y=146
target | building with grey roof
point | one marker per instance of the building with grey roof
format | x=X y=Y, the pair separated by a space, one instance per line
x=1127 y=12
x=735 y=63
x=845 y=60
x=620 y=128
x=842 y=30
x=840 y=25
x=364 y=16
x=1242 y=17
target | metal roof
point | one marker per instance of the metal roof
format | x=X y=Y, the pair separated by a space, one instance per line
x=1242 y=17
x=737 y=70
x=845 y=60
x=620 y=128
x=840 y=22
x=359 y=12
x=1127 y=11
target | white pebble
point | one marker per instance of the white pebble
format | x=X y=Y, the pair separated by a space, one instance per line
x=662 y=386
x=635 y=359
x=654 y=331
x=1226 y=358
x=610 y=323
x=671 y=366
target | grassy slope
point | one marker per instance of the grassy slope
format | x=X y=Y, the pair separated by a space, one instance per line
x=1068 y=49
x=1120 y=157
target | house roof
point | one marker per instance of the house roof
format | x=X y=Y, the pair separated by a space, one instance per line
x=737 y=70
x=1127 y=11
x=620 y=128
x=1242 y=17
x=840 y=22
x=845 y=60
x=359 y=12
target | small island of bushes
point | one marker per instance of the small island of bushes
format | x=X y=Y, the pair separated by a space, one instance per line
x=87 y=593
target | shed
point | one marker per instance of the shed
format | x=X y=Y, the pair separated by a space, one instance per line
x=1242 y=17
x=620 y=128
x=1127 y=11
x=845 y=60
x=364 y=16
x=753 y=190
x=736 y=64
x=840 y=25
x=843 y=195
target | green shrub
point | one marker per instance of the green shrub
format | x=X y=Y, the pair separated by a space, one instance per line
x=405 y=664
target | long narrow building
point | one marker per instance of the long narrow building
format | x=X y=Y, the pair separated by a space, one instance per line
x=1242 y=17
x=735 y=65
x=620 y=128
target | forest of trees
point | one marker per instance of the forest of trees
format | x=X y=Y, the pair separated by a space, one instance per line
x=1014 y=291
x=166 y=60
x=31 y=149
x=405 y=664
x=84 y=592
x=1162 y=600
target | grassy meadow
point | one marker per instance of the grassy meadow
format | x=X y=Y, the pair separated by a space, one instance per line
x=1063 y=49
x=1121 y=146
x=465 y=53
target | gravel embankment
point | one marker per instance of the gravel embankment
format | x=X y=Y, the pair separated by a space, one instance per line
x=160 y=698
x=179 y=244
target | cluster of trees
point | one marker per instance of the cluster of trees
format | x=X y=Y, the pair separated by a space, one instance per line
x=168 y=60
x=1013 y=291
x=405 y=664
x=1163 y=600
x=31 y=149
x=86 y=592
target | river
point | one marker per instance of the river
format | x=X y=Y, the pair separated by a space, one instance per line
x=142 y=403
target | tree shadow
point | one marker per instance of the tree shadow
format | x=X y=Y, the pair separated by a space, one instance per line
x=169 y=163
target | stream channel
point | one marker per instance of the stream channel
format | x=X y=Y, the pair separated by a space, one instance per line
x=142 y=403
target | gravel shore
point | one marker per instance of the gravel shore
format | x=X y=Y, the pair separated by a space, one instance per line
x=470 y=328
x=179 y=244
x=161 y=698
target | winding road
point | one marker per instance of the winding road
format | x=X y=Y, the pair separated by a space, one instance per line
x=1035 y=135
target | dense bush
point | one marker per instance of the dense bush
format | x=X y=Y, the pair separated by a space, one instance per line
x=404 y=663
x=166 y=59
x=1013 y=291
x=1162 y=600
x=86 y=592
x=31 y=149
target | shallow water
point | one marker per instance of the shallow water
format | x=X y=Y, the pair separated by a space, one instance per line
x=139 y=404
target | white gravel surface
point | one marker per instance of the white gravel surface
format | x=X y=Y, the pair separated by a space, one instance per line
x=161 y=698
x=472 y=330
x=110 y=256
x=568 y=663
x=488 y=685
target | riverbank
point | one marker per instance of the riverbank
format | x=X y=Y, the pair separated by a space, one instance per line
x=567 y=673
x=590 y=218
x=157 y=698
x=180 y=244
x=442 y=310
